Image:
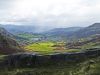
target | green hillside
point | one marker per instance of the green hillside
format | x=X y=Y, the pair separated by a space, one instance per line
x=91 y=42
x=88 y=67
x=8 y=43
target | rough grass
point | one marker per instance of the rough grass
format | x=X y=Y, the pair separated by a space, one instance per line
x=2 y=56
x=37 y=71
x=91 y=45
x=82 y=68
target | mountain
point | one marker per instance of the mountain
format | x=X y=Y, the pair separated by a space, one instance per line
x=57 y=33
x=73 y=33
x=15 y=29
x=7 y=43
x=87 y=31
x=60 y=33
x=63 y=31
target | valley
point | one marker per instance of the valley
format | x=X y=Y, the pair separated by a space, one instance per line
x=60 y=51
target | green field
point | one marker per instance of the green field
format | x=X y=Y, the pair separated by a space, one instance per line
x=40 y=47
x=47 y=47
x=28 y=36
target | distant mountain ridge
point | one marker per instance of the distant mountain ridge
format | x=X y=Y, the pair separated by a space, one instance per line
x=63 y=31
x=19 y=28
x=93 y=29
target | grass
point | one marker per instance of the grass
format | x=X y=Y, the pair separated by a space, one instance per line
x=73 y=50
x=37 y=71
x=91 y=45
x=81 y=68
x=44 y=47
x=47 y=48
x=2 y=56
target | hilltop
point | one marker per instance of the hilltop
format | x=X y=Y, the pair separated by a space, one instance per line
x=87 y=31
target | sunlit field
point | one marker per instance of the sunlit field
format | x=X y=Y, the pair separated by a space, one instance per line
x=48 y=47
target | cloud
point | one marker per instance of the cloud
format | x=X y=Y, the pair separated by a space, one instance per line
x=50 y=13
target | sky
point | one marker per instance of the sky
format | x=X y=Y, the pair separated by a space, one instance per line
x=50 y=13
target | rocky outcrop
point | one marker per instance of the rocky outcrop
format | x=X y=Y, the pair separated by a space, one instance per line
x=31 y=59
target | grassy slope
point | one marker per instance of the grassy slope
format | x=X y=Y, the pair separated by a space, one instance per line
x=91 y=45
x=2 y=57
x=82 y=68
